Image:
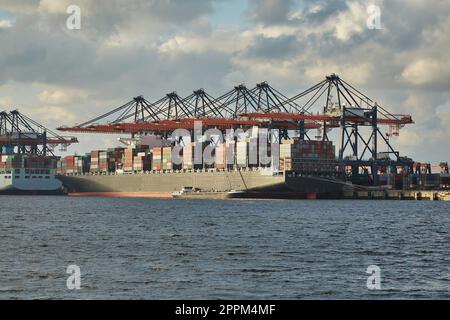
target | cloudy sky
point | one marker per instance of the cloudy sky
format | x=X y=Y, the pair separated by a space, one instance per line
x=130 y=47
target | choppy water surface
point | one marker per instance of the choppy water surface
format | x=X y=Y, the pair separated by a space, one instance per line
x=162 y=249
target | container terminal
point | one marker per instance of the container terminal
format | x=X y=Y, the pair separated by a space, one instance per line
x=330 y=141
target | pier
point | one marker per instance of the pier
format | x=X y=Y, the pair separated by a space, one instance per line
x=430 y=195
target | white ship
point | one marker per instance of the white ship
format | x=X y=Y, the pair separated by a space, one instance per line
x=30 y=181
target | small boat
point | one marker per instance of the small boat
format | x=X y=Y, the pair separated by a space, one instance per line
x=184 y=190
x=176 y=194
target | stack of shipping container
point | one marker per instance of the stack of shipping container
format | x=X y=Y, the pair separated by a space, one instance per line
x=18 y=161
x=221 y=156
x=157 y=158
x=230 y=149
x=69 y=164
x=103 y=161
x=188 y=156
x=242 y=154
x=8 y=162
x=142 y=162
x=167 y=158
x=94 y=168
x=308 y=156
x=295 y=155
x=128 y=160
x=115 y=159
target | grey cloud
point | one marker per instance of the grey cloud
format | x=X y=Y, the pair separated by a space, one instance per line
x=38 y=48
x=22 y=6
x=274 y=48
x=105 y=17
x=33 y=55
x=113 y=15
x=406 y=22
x=316 y=12
x=270 y=11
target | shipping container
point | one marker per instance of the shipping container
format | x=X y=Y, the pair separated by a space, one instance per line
x=188 y=156
x=157 y=158
x=242 y=154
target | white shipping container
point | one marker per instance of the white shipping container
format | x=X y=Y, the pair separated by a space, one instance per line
x=220 y=155
x=242 y=149
x=188 y=154
x=255 y=132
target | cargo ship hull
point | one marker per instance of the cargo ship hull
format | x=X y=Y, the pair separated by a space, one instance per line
x=19 y=192
x=21 y=183
x=28 y=174
x=252 y=184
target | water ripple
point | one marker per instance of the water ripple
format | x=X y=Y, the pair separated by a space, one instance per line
x=157 y=249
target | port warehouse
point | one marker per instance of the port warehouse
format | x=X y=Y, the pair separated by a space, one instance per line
x=342 y=108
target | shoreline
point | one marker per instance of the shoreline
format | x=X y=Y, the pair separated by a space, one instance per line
x=359 y=195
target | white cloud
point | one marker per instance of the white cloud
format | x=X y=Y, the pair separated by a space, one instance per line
x=55 y=114
x=350 y=22
x=443 y=113
x=62 y=96
x=420 y=106
x=356 y=73
x=427 y=71
x=409 y=140
x=224 y=41
x=54 y=7
x=6 y=101
x=4 y=24
x=22 y=6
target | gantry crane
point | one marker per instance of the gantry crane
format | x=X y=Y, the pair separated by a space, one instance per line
x=20 y=134
x=332 y=104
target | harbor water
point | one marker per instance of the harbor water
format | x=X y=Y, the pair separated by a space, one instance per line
x=212 y=249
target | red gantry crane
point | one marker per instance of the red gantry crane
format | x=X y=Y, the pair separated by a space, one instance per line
x=330 y=104
x=20 y=134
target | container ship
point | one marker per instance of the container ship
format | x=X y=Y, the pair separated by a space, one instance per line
x=29 y=175
x=306 y=170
